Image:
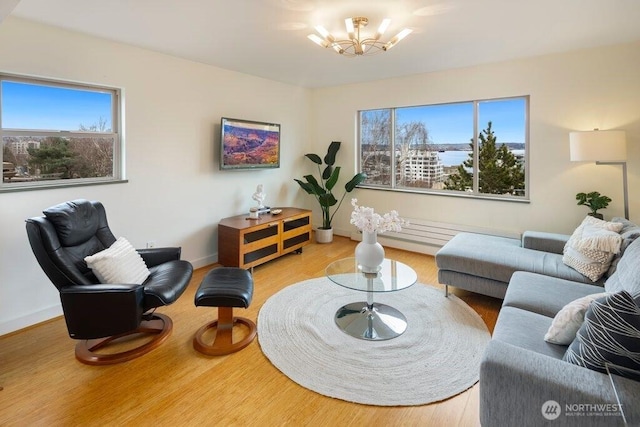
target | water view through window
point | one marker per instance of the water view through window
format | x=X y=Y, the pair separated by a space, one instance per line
x=432 y=148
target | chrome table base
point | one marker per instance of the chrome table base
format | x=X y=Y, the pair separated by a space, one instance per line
x=374 y=322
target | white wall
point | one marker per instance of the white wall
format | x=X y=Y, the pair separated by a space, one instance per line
x=596 y=88
x=176 y=194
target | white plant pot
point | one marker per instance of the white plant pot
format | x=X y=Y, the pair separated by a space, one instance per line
x=324 y=235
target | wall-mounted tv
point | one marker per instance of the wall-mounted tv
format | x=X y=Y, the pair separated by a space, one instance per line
x=245 y=144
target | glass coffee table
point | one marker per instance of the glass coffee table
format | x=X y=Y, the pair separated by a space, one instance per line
x=365 y=319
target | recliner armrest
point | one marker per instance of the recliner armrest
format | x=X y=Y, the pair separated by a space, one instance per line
x=157 y=256
x=98 y=311
x=545 y=242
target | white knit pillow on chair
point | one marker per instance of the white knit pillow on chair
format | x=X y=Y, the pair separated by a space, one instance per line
x=119 y=263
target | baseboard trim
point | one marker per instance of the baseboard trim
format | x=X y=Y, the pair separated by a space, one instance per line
x=30 y=319
x=204 y=261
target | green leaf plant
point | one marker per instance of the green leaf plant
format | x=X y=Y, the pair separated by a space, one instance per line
x=322 y=189
x=593 y=201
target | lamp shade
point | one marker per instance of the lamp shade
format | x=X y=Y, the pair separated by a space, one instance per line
x=598 y=145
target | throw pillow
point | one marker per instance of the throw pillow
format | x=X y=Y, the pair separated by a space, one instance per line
x=591 y=247
x=567 y=321
x=629 y=233
x=610 y=334
x=119 y=263
x=627 y=275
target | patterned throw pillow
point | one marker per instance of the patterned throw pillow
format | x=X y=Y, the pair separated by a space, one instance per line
x=610 y=334
x=567 y=322
x=592 y=247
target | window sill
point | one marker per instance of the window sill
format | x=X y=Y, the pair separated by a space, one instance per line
x=6 y=187
x=461 y=194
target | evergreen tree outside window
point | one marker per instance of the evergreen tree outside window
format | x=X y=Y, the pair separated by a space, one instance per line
x=435 y=148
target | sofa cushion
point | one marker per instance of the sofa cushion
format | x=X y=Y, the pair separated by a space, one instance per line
x=567 y=322
x=531 y=292
x=497 y=258
x=627 y=275
x=526 y=330
x=610 y=334
x=592 y=247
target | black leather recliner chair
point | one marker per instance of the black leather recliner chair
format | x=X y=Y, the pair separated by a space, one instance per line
x=99 y=314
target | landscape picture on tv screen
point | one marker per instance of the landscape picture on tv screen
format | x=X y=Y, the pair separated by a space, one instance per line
x=247 y=144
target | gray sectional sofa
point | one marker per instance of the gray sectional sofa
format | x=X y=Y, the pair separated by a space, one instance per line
x=524 y=380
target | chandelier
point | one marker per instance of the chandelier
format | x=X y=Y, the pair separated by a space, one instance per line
x=356 y=45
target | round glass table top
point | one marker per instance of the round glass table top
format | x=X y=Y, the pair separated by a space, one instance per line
x=393 y=276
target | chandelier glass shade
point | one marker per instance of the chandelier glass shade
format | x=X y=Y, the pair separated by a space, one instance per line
x=357 y=44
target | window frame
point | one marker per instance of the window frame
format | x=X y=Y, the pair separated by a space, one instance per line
x=476 y=175
x=116 y=134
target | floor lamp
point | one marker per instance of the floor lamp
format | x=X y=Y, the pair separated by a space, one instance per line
x=605 y=147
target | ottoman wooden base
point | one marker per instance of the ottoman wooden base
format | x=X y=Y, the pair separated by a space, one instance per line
x=223 y=341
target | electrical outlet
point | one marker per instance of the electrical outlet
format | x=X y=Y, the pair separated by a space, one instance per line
x=151 y=244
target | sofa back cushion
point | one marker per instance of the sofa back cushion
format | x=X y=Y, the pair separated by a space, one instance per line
x=627 y=275
x=630 y=232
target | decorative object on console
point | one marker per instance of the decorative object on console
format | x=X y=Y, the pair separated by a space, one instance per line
x=605 y=147
x=594 y=201
x=322 y=189
x=356 y=44
x=259 y=196
x=369 y=253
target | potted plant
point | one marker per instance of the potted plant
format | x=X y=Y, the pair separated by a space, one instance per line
x=593 y=201
x=322 y=189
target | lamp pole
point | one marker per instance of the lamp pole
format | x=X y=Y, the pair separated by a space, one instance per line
x=625 y=189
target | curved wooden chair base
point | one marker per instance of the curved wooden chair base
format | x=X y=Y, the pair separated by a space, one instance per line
x=223 y=341
x=160 y=326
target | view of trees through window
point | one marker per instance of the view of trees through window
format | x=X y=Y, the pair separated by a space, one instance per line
x=433 y=148
x=57 y=133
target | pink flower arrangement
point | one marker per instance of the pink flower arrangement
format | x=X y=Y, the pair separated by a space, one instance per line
x=368 y=221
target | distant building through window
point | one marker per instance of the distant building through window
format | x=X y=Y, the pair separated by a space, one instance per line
x=58 y=133
x=476 y=148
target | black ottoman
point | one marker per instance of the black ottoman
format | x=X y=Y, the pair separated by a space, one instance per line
x=225 y=288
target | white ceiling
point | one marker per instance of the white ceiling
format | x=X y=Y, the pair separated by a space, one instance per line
x=267 y=38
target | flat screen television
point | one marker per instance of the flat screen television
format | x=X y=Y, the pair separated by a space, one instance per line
x=245 y=144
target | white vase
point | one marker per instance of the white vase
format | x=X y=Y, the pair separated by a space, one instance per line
x=369 y=253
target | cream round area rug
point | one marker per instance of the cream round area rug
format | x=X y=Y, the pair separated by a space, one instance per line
x=437 y=357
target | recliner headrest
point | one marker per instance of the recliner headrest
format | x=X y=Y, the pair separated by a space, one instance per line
x=75 y=221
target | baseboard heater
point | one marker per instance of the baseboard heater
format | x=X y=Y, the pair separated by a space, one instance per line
x=427 y=237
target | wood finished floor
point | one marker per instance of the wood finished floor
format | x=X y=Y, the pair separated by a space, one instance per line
x=174 y=385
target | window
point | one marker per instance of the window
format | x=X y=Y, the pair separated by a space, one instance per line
x=476 y=148
x=56 y=134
